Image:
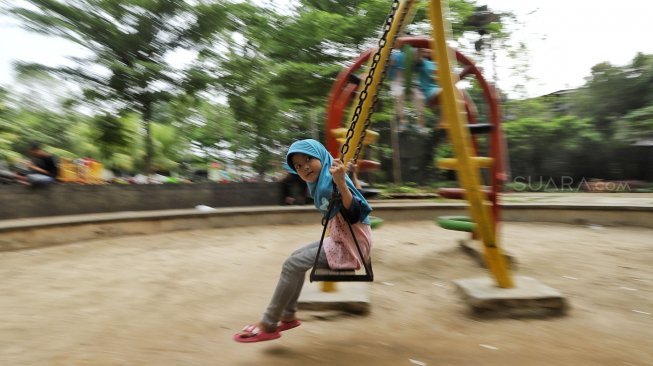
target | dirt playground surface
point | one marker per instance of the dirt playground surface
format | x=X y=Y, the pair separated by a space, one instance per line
x=177 y=298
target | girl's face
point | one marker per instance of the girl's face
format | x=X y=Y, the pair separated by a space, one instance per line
x=307 y=167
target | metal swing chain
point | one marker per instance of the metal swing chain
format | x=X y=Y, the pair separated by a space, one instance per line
x=368 y=82
x=364 y=93
x=335 y=195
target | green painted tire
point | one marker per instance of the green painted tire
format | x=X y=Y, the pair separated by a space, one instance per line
x=375 y=222
x=457 y=223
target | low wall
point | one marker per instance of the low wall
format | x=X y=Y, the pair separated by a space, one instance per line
x=39 y=232
x=72 y=199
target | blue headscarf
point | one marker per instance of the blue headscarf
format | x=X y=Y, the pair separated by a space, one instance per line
x=322 y=188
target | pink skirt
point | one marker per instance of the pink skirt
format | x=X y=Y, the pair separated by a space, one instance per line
x=339 y=246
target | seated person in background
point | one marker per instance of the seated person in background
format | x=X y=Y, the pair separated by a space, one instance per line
x=294 y=190
x=42 y=168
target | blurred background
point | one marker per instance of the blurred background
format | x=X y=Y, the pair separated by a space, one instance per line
x=166 y=91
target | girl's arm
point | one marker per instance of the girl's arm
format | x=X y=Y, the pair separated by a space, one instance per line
x=338 y=172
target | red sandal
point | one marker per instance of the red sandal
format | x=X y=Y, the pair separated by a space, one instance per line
x=288 y=325
x=256 y=334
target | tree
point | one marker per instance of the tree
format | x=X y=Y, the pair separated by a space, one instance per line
x=130 y=42
x=541 y=145
x=636 y=127
x=273 y=69
x=115 y=139
x=253 y=101
x=613 y=91
x=208 y=128
x=8 y=130
x=299 y=55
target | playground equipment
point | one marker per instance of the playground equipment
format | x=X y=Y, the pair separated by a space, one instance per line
x=457 y=223
x=466 y=163
x=360 y=122
x=460 y=123
x=348 y=84
x=83 y=171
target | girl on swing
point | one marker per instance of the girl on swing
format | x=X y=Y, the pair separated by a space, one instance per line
x=312 y=162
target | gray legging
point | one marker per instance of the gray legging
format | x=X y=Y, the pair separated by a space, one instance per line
x=293 y=272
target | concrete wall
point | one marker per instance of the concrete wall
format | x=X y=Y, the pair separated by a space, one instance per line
x=39 y=232
x=71 y=199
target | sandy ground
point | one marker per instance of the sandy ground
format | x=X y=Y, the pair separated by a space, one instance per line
x=177 y=298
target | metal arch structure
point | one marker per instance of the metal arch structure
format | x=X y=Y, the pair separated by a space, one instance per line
x=483 y=207
x=497 y=170
x=344 y=90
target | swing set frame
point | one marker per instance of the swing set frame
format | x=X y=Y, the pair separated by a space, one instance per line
x=466 y=163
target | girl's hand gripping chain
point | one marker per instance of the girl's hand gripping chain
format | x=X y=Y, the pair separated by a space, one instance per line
x=338 y=172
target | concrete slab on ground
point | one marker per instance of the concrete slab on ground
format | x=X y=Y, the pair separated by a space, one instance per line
x=350 y=297
x=529 y=297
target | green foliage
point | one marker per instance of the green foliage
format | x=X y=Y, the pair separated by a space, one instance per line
x=260 y=79
x=128 y=42
x=612 y=91
x=169 y=147
x=588 y=133
x=562 y=146
x=636 y=126
x=442 y=151
x=111 y=134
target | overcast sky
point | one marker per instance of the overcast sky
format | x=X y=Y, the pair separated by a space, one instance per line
x=565 y=38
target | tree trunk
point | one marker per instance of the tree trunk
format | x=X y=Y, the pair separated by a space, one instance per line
x=149 y=147
x=396 y=159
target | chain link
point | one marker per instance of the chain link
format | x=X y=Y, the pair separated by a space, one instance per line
x=368 y=81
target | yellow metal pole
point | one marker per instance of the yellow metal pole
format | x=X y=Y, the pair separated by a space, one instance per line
x=468 y=169
x=404 y=6
x=360 y=89
x=328 y=287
